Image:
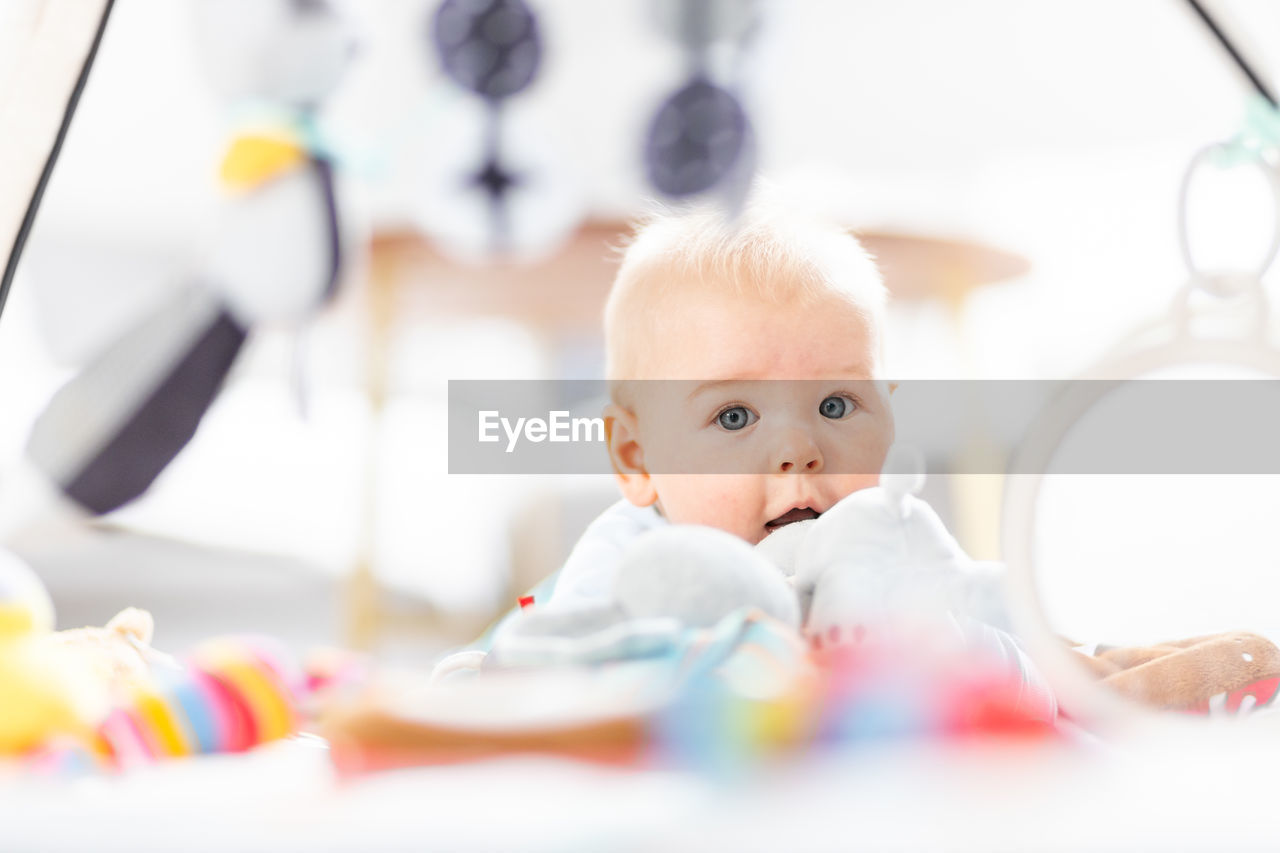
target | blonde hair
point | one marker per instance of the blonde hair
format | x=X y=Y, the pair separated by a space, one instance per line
x=770 y=251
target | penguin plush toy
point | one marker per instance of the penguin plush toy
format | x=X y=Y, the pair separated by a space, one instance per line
x=276 y=257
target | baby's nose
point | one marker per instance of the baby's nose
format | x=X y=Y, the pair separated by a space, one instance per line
x=798 y=454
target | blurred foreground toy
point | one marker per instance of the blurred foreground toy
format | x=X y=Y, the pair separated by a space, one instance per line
x=723 y=699
x=230 y=695
x=852 y=695
x=47 y=691
x=102 y=698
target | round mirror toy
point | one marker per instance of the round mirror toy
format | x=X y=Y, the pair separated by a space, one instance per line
x=1139 y=510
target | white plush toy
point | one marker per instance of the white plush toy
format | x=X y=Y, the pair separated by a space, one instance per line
x=879 y=563
x=882 y=559
x=277 y=254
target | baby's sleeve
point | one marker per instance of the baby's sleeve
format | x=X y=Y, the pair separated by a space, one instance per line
x=589 y=573
x=587 y=577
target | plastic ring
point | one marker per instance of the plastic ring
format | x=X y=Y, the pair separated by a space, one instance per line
x=1209 y=280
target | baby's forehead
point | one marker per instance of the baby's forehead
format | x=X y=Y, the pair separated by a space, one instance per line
x=714 y=336
x=771 y=253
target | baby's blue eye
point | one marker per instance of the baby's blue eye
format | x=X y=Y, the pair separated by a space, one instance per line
x=736 y=418
x=836 y=407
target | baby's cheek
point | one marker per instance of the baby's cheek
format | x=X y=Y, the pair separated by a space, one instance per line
x=859 y=459
x=729 y=503
x=850 y=483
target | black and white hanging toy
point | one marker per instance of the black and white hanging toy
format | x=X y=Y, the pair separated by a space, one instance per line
x=493 y=49
x=701 y=138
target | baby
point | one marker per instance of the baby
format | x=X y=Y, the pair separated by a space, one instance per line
x=742 y=359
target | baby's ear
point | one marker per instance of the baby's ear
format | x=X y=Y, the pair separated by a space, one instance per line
x=627 y=456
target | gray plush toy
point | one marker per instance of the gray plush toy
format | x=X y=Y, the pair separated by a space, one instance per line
x=670 y=579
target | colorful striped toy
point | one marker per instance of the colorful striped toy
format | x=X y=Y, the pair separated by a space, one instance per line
x=233 y=694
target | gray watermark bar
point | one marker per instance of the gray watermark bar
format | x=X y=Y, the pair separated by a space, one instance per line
x=1138 y=426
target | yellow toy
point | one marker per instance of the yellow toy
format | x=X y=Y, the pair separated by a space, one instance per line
x=46 y=689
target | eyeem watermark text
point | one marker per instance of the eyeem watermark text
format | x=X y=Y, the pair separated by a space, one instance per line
x=556 y=427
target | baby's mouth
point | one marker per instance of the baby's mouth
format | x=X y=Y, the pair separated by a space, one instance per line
x=791 y=516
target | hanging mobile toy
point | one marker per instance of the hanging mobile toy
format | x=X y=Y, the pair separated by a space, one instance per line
x=109 y=432
x=492 y=49
x=701 y=138
x=1230 y=327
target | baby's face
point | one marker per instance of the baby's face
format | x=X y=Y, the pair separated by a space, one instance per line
x=771 y=414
